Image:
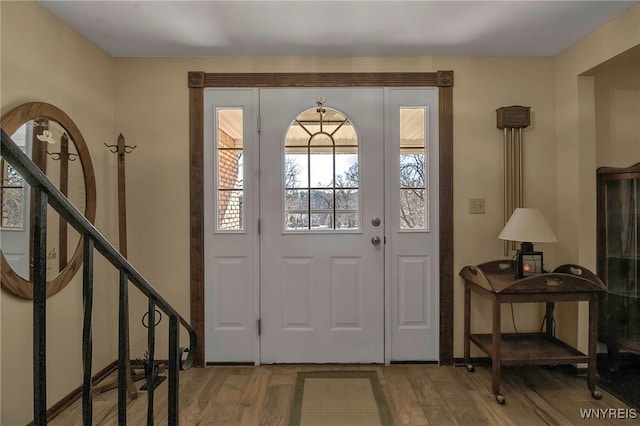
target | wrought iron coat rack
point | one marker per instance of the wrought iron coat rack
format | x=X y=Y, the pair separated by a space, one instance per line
x=121 y=149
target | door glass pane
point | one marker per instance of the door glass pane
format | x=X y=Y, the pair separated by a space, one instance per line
x=297 y=201
x=411 y=208
x=297 y=221
x=347 y=220
x=322 y=200
x=347 y=209
x=321 y=168
x=346 y=170
x=321 y=139
x=321 y=221
x=321 y=175
x=347 y=200
x=230 y=170
x=413 y=169
x=296 y=170
x=296 y=204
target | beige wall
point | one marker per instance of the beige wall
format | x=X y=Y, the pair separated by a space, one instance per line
x=576 y=151
x=558 y=176
x=44 y=60
x=617 y=109
x=152 y=112
x=147 y=101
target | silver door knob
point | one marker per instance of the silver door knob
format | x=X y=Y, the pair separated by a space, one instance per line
x=376 y=241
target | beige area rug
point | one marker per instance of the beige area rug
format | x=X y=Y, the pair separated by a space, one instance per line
x=342 y=398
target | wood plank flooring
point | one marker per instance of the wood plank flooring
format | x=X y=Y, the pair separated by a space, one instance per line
x=416 y=394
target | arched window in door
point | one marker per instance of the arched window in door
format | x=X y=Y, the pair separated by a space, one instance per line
x=321 y=177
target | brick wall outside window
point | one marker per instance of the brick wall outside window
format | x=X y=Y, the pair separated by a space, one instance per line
x=229 y=202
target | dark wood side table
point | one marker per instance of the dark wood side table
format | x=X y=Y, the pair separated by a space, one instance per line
x=496 y=281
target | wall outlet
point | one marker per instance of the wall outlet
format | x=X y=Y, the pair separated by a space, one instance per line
x=476 y=205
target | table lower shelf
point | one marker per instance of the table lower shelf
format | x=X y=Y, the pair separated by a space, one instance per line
x=529 y=349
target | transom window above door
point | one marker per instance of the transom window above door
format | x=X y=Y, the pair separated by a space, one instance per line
x=321 y=176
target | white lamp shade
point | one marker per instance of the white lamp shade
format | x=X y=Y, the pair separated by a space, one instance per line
x=528 y=225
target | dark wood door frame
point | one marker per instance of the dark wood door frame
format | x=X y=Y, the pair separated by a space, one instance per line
x=199 y=80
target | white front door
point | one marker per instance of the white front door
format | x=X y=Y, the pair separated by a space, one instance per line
x=321 y=230
x=322 y=225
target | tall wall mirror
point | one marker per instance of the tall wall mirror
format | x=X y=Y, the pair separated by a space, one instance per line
x=54 y=143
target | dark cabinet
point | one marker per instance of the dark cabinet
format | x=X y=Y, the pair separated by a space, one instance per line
x=619 y=258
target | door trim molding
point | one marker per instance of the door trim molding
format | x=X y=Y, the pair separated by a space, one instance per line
x=199 y=80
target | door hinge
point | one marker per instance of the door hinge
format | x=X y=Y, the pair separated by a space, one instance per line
x=259 y=123
x=259 y=326
x=259 y=226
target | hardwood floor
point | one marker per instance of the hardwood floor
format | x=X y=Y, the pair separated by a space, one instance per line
x=416 y=394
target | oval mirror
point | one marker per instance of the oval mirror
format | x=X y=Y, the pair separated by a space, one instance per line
x=54 y=143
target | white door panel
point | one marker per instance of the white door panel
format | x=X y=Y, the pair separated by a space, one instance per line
x=413 y=243
x=322 y=291
x=231 y=252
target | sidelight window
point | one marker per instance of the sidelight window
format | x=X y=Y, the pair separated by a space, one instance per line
x=321 y=176
x=12 y=189
x=413 y=171
x=11 y=197
x=230 y=170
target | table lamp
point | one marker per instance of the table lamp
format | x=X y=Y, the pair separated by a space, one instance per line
x=528 y=226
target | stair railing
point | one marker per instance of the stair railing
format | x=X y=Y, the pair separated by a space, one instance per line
x=46 y=193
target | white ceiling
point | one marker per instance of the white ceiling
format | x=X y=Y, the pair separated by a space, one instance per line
x=334 y=28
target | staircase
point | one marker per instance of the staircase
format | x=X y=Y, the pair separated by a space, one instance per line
x=45 y=193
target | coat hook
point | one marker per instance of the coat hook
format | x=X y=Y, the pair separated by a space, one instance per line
x=114 y=148
x=64 y=142
x=57 y=156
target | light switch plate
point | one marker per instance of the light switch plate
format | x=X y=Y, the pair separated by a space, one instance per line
x=476 y=205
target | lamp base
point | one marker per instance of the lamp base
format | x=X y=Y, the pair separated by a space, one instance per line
x=526 y=247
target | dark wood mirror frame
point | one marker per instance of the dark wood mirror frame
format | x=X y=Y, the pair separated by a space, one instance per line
x=11 y=121
x=199 y=80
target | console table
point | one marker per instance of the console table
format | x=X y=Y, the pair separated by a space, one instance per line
x=496 y=280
